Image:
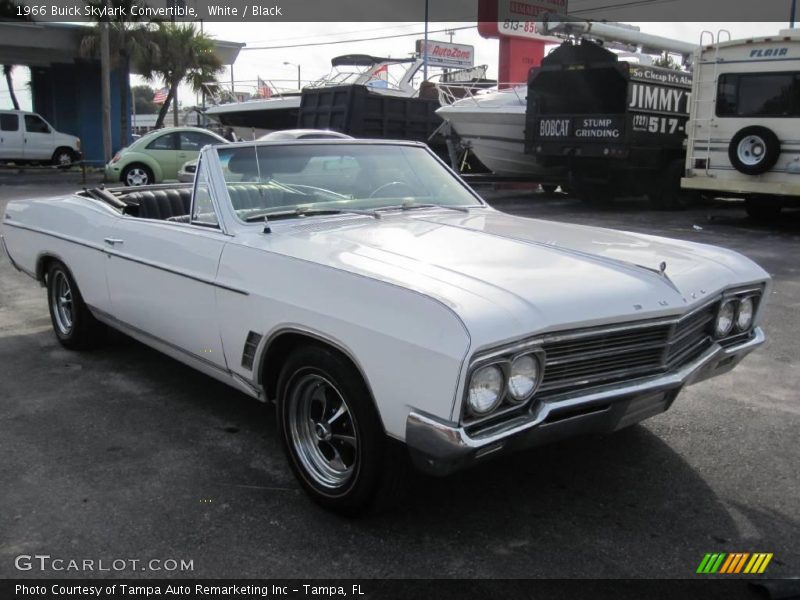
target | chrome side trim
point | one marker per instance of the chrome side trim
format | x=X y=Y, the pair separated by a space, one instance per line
x=110 y=319
x=60 y=236
x=8 y=254
x=161 y=267
x=110 y=252
x=440 y=447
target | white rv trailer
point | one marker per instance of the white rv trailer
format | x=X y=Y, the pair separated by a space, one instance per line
x=744 y=122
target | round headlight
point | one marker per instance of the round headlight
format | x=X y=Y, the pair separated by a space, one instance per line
x=744 y=314
x=523 y=377
x=725 y=318
x=485 y=389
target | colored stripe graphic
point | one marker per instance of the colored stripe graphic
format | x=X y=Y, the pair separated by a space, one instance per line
x=758 y=563
x=734 y=563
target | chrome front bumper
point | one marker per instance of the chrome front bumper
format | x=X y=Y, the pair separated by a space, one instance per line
x=439 y=447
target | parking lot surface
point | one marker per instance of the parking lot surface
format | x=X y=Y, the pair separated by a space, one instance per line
x=125 y=453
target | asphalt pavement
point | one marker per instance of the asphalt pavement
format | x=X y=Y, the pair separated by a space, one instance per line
x=123 y=453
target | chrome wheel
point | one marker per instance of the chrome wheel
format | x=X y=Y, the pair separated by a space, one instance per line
x=323 y=431
x=62 y=302
x=751 y=150
x=137 y=176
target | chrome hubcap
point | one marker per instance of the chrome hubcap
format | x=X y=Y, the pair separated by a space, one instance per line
x=136 y=177
x=751 y=150
x=62 y=302
x=322 y=431
x=64 y=159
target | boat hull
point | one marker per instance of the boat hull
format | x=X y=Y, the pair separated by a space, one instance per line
x=493 y=126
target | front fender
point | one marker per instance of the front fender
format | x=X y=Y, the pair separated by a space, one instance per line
x=409 y=347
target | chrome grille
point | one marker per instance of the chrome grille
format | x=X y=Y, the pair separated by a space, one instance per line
x=592 y=357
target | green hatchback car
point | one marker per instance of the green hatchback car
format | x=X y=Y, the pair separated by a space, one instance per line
x=157 y=156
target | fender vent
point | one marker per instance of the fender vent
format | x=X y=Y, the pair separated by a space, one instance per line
x=250 y=347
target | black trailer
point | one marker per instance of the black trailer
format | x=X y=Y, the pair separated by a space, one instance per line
x=362 y=112
x=617 y=128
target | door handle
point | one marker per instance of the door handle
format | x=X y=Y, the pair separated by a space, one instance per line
x=113 y=241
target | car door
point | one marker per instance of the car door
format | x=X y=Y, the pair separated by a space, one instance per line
x=37 y=138
x=190 y=144
x=161 y=278
x=10 y=136
x=164 y=150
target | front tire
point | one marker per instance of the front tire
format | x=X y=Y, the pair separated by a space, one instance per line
x=75 y=327
x=136 y=174
x=331 y=432
x=63 y=158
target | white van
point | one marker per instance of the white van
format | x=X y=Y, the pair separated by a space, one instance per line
x=744 y=124
x=27 y=137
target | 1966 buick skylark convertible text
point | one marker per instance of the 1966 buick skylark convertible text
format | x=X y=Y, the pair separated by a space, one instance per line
x=369 y=293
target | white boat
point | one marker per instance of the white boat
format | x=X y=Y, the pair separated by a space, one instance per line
x=253 y=118
x=492 y=124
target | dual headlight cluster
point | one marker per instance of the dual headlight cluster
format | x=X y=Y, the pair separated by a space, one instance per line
x=735 y=315
x=513 y=380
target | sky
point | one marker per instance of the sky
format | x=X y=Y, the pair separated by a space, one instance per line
x=314 y=61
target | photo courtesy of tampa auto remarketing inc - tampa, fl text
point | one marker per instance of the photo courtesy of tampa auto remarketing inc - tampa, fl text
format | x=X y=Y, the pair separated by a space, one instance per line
x=447 y=299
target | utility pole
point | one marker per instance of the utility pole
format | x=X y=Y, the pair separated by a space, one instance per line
x=425 y=47
x=792 y=14
x=105 y=87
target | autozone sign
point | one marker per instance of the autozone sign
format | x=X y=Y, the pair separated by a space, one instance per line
x=446 y=54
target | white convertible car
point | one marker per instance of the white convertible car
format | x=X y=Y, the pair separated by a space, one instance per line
x=370 y=294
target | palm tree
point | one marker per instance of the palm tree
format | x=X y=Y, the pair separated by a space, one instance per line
x=7 y=72
x=180 y=54
x=128 y=40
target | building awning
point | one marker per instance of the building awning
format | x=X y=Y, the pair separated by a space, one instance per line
x=42 y=44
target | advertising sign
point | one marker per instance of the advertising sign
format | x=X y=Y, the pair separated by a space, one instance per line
x=517 y=18
x=589 y=128
x=447 y=54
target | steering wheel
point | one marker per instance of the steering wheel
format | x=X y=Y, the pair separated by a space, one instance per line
x=375 y=192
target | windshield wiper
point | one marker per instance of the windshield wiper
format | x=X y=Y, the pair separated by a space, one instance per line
x=413 y=205
x=304 y=211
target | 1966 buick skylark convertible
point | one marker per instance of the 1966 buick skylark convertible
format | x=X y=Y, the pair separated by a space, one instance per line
x=363 y=288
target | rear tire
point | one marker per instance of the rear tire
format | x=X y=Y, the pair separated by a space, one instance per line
x=668 y=194
x=74 y=325
x=136 y=175
x=594 y=195
x=331 y=432
x=762 y=210
x=548 y=188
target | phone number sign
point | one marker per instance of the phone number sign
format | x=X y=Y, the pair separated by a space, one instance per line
x=517 y=18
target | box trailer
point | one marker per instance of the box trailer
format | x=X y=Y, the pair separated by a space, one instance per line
x=616 y=127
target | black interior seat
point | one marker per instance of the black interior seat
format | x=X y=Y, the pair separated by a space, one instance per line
x=161 y=204
x=248 y=195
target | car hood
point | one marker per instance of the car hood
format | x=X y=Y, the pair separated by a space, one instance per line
x=510 y=276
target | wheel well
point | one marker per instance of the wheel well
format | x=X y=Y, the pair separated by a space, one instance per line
x=142 y=165
x=42 y=266
x=60 y=148
x=279 y=349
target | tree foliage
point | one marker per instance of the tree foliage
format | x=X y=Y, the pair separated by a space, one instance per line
x=143 y=100
x=128 y=41
x=179 y=54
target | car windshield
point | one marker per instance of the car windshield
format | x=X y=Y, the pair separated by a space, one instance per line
x=302 y=179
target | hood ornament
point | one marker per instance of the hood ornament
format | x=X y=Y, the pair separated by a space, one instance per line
x=663 y=267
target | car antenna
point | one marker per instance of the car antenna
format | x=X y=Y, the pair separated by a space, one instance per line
x=267 y=228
